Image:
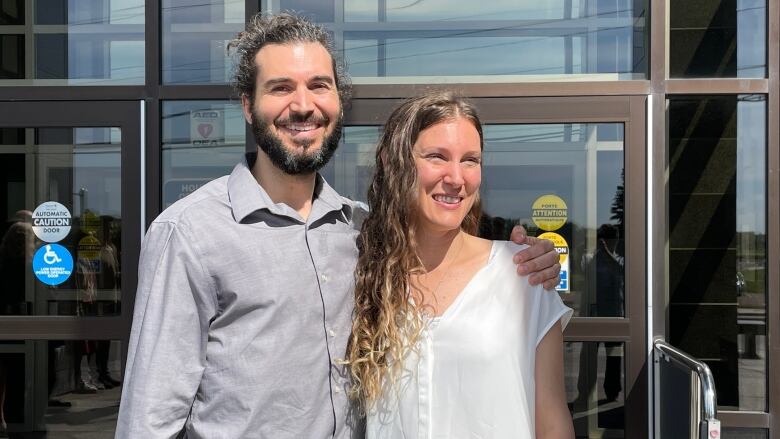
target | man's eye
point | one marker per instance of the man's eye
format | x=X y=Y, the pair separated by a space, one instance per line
x=280 y=89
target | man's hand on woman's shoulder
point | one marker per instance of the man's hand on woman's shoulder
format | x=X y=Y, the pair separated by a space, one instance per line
x=539 y=261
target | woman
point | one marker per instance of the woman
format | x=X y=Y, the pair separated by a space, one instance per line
x=447 y=341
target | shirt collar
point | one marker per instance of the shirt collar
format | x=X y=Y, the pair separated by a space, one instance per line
x=247 y=196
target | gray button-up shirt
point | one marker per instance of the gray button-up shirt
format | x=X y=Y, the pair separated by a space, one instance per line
x=242 y=312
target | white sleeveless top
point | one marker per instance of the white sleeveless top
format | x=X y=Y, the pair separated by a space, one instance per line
x=473 y=373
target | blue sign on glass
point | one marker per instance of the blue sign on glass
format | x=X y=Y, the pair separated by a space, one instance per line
x=52 y=264
x=564 y=285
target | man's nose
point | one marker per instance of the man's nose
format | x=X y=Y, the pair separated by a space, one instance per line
x=302 y=101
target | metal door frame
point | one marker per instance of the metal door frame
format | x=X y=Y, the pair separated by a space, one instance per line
x=125 y=115
x=631 y=111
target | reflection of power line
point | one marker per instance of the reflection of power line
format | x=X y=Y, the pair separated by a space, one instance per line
x=119 y=15
x=410 y=5
x=529 y=138
x=528 y=40
x=187 y=146
x=522 y=26
x=480 y=47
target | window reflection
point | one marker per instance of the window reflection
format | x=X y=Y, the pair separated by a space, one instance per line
x=93 y=42
x=201 y=141
x=12 y=61
x=594 y=379
x=717 y=240
x=194 y=39
x=476 y=42
x=60 y=387
x=704 y=34
x=80 y=169
x=12 y=12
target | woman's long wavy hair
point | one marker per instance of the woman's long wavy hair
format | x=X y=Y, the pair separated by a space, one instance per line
x=386 y=324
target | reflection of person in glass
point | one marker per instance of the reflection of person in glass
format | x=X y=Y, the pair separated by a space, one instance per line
x=244 y=297
x=97 y=285
x=16 y=249
x=606 y=267
x=447 y=341
x=109 y=281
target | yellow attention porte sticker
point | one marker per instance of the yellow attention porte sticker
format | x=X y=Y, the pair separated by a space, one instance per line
x=549 y=212
x=560 y=244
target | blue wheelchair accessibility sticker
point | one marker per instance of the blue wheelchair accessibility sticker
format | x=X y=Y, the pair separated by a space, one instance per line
x=564 y=285
x=52 y=264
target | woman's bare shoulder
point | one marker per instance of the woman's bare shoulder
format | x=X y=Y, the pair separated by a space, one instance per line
x=477 y=247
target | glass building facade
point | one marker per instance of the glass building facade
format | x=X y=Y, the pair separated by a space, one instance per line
x=649 y=130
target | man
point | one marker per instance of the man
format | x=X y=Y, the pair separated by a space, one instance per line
x=244 y=300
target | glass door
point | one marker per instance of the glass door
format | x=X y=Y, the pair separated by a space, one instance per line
x=69 y=244
x=571 y=170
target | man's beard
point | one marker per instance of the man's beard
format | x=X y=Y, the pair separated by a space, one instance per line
x=288 y=161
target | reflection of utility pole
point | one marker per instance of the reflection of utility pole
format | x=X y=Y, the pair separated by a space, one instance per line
x=82 y=194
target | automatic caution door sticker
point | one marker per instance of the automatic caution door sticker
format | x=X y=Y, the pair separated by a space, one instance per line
x=549 y=212
x=51 y=221
x=52 y=264
x=562 y=247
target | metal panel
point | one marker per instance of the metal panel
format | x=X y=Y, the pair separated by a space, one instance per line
x=716 y=86
x=585 y=88
x=773 y=219
x=153 y=161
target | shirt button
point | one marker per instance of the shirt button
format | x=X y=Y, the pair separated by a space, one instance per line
x=324 y=278
x=331 y=333
x=337 y=390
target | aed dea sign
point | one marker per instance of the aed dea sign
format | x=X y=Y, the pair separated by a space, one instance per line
x=549 y=212
x=51 y=221
x=207 y=128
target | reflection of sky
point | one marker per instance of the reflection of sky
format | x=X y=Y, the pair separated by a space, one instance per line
x=97 y=170
x=751 y=38
x=91 y=42
x=82 y=12
x=460 y=52
x=194 y=34
x=360 y=10
x=454 y=10
x=422 y=10
x=521 y=137
x=485 y=55
x=610 y=166
x=751 y=164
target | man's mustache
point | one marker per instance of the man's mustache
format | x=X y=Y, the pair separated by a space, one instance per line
x=319 y=120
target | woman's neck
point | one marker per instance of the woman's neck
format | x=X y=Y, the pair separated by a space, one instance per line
x=433 y=248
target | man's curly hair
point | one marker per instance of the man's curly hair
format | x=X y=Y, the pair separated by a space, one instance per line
x=282 y=28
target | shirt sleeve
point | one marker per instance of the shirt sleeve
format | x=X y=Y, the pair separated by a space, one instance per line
x=551 y=309
x=174 y=304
